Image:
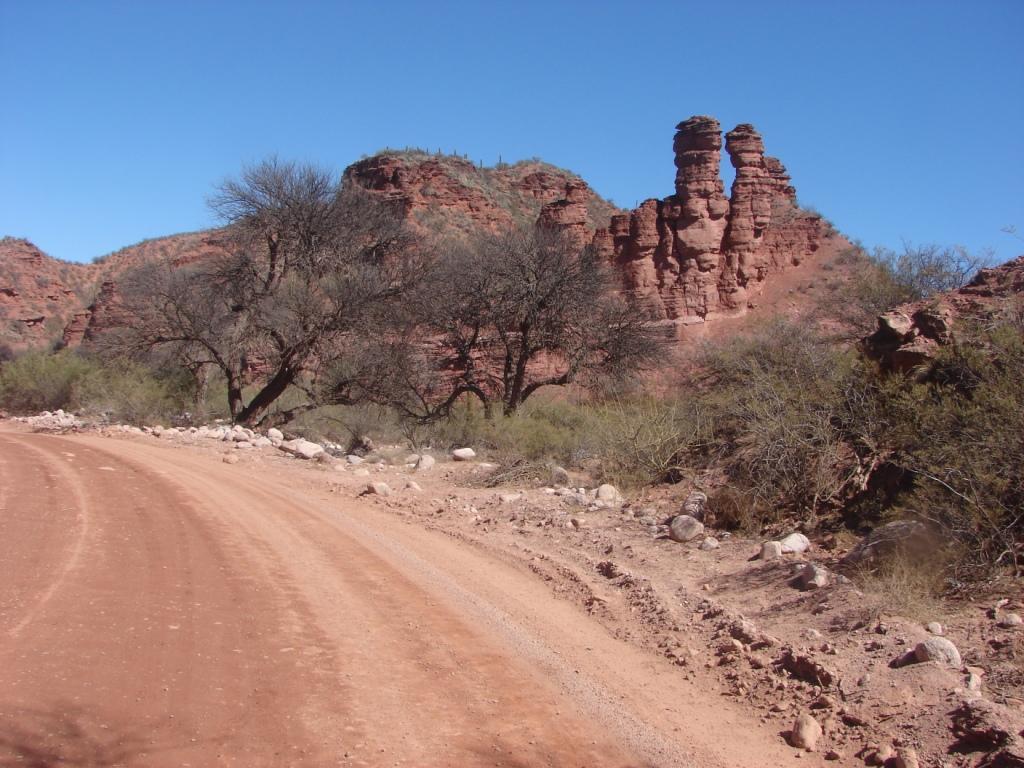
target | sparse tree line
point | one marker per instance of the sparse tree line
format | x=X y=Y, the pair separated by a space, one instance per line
x=327 y=299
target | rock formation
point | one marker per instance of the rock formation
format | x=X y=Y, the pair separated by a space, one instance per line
x=696 y=253
x=910 y=335
x=38 y=294
x=449 y=193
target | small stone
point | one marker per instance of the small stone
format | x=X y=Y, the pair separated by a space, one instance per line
x=463 y=454
x=934 y=627
x=275 y=434
x=833 y=755
x=353 y=459
x=709 y=544
x=771 y=550
x=509 y=498
x=806 y=732
x=230 y=458
x=412 y=485
x=425 y=462
x=378 y=489
x=608 y=492
x=684 y=528
x=937 y=649
x=795 y=543
x=813 y=576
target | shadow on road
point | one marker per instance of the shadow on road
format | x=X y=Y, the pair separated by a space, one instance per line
x=68 y=736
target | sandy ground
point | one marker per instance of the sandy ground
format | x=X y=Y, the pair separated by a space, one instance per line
x=159 y=607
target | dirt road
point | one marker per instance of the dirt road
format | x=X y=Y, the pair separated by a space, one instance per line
x=158 y=608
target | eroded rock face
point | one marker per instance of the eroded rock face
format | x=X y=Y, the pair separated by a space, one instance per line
x=696 y=253
x=910 y=335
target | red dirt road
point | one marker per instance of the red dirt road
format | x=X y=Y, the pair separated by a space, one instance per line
x=160 y=608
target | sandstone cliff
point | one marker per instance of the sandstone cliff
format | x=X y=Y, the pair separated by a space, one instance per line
x=697 y=254
x=448 y=193
x=38 y=294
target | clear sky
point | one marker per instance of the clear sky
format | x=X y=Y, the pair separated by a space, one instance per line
x=897 y=119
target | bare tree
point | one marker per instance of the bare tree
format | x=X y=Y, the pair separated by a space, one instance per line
x=503 y=315
x=309 y=265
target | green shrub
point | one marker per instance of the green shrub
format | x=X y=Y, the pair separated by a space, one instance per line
x=131 y=393
x=39 y=381
x=648 y=440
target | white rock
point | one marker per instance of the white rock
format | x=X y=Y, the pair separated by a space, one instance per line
x=275 y=434
x=685 y=528
x=938 y=649
x=262 y=442
x=425 y=462
x=412 y=458
x=813 y=577
x=353 y=459
x=463 y=454
x=805 y=733
x=509 y=498
x=301 y=448
x=608 y=492
x=771 y=550
x=244 y=444
x=230 y=458
x=795 y=542
x=378 y=489
x=934 y=627
x=709 y=544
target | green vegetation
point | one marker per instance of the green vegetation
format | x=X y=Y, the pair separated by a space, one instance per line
x=120 y=391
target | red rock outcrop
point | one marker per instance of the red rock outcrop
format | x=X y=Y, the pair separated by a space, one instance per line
x=910 y=335
x=568 y=216
x=447 y=193
x=696 y=254
x=38 y=294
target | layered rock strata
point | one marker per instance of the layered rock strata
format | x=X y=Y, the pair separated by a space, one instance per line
x=697 y=253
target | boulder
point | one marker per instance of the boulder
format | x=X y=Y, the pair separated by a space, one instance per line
x=463 y=454
x=812 y=577
x=709 y=544
x=425 y=462
x=275 y=434
x=684 y=528
x=805 y=732
x=378 y=489
x=302 y=449
x=771 y=550
x=899 y=537
x=608 y=493
x=795 y=543
x=938 y=649
x=559 y=476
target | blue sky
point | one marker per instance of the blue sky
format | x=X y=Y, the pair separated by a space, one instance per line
x=898 y=120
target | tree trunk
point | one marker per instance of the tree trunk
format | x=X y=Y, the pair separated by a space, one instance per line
x=234 y=396
x=272 y=390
